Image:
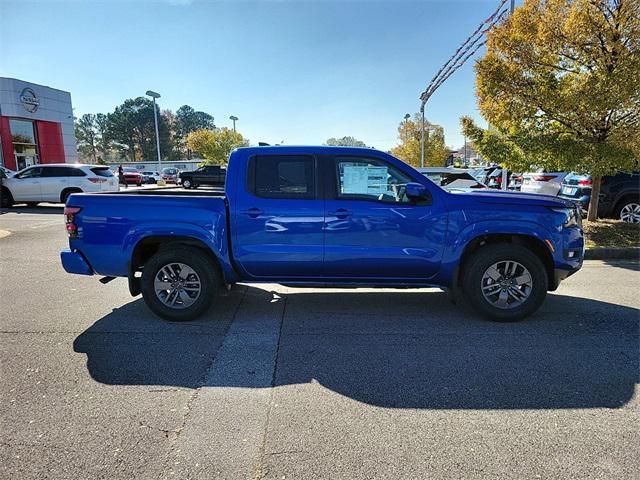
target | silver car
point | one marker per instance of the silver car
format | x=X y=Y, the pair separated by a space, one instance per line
x=542 y=182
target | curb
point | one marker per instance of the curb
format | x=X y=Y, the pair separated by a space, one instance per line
x=629 y=253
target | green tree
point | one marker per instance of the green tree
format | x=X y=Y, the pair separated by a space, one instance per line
x=409 y=148
x=190 y=120
x=345 y=142
x=132 y=127
x=175 y=141
x=87 y=136
x=560 y=83
x=215 y=146
x=104 y=142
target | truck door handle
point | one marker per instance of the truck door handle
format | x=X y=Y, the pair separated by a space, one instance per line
x=341 y=213
x=252 y=212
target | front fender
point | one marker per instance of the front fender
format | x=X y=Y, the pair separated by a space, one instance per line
x=453 y=253
x=215 y=239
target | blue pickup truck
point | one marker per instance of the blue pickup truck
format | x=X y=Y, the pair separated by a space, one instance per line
x=325 y=216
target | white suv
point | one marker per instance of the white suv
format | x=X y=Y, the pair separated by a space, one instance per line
x=54 y=182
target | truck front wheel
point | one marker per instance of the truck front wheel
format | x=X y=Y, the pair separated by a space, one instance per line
x=505 y=282
x=179 y=283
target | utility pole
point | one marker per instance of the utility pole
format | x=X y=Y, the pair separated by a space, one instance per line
x=465 y=150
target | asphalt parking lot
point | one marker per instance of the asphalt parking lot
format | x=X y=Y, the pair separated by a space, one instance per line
x=301 y=383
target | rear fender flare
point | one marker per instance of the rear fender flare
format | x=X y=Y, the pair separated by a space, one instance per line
x=215 y=239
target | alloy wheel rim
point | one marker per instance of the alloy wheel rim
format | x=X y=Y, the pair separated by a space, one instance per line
x=630 y=213
x=506 y=284
x=177 y=285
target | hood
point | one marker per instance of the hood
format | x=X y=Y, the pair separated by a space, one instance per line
x=502 y=197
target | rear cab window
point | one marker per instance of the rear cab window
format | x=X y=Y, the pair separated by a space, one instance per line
x=282 y=176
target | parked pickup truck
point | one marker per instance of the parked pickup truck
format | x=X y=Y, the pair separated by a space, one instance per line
x=206 y=175
x=325 y=216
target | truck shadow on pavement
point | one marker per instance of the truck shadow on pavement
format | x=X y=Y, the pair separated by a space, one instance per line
x=395 y=350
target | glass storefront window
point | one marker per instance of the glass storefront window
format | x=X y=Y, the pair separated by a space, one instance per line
x=26 y=149
x=22 y=131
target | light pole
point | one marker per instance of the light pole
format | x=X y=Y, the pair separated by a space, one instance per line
x=155 y=95
x=233 y=119
x=422 y=137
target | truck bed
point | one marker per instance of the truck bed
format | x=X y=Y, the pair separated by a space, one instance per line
x=111 y=224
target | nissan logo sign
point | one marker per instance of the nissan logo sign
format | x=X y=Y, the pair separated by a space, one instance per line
x=29 y=100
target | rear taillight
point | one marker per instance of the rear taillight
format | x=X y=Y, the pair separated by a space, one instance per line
x=69 y=220
x=97 y=179
x=543 y=178
x=585 y=183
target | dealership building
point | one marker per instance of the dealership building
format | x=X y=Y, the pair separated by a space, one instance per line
x=36 y=125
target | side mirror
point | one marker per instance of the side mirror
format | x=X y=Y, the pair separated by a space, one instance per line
x=417 y=192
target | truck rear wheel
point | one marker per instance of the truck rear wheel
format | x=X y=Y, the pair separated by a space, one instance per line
x=505 y=282
x=179 y=284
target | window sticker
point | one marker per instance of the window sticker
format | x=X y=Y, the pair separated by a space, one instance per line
x=364 y=180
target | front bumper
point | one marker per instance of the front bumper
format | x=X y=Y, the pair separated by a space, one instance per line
x=74 y=262
x=569 y=260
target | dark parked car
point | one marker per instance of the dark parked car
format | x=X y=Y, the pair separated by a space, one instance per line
x=207 y=175
x=619 y=194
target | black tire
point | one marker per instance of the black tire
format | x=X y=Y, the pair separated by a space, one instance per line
x=186 y=183
x=203 y=266
x=7 y=198
x=64 y=196
x=487 y=256
x=33 y=204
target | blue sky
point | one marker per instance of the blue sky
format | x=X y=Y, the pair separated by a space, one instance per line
x=295 y=71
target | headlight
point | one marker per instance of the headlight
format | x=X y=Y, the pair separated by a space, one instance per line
x=572 y=217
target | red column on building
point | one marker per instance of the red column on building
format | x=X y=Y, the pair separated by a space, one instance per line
x=50 y=145
x=7 y=145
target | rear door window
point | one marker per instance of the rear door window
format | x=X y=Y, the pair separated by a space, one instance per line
x=62 y=172
x=283 y=176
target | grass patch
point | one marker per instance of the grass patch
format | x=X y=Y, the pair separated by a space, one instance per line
x=611 y=233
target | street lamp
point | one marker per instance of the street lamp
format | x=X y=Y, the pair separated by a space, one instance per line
x=155 y=95
x=233 y=119
x=407 y=117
